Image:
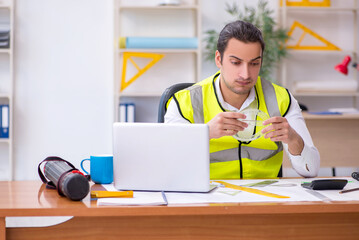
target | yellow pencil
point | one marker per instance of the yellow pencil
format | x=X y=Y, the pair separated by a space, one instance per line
x=111 y=194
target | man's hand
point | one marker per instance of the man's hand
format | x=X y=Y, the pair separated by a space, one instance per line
x=226 y=124
x=280 y=130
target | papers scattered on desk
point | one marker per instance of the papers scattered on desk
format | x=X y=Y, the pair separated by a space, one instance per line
x=287 y=187
x=139 y=198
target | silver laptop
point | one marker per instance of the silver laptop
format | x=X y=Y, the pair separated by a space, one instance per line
x=161 y=157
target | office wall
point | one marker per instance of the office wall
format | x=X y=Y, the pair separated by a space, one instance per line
x=64 y=77
x=63 y=86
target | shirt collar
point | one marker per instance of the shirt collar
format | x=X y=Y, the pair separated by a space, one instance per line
x=249 y=101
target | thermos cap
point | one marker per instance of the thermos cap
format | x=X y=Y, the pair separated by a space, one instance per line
x=75 y=186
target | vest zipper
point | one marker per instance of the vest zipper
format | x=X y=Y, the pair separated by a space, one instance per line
x=240 y=161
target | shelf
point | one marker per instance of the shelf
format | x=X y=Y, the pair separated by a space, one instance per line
x=4 y=95
x=349 y=116
x=180 y=7
x=4 y=140
x=346 y=52
x=309 y=73
x=324 y=94
x=137 y=19
x=158 y=50
x=7 y=88
x=139 y=94
x=313 y=9
x=5 y=50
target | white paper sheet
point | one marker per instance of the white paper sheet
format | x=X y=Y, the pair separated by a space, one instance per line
x=139 y=198
x=285 y=187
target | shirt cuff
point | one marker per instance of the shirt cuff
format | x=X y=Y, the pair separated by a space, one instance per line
x=307 y=163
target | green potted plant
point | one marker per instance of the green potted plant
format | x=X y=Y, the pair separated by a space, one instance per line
x=274 y=36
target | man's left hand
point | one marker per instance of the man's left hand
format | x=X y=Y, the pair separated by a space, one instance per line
x=280 y=130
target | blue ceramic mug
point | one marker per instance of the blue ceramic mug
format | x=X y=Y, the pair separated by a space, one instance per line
x=101 y=168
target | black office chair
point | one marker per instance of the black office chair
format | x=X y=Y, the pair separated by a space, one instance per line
x=280 y=173
x=166 y=95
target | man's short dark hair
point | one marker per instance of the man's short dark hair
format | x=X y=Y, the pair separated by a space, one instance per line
x=242 y=31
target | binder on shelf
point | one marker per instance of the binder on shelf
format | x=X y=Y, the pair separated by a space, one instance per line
x=4 y=121
x=131 y=112
x=4 y=44
x=158 y=42
x=4 y=35
x=127 y=112
x=4 y=38
x=122 y=112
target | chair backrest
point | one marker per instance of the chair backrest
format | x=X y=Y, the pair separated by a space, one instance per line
x=166 y=95
x=280 y=173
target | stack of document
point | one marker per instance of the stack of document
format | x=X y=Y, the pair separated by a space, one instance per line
x=4 y=36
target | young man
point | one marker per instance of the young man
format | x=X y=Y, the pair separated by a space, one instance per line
x=218 y=100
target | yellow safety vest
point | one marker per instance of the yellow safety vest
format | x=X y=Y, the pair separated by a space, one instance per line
x=230 y=158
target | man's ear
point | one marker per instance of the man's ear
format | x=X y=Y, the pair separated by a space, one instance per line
x=218 y=59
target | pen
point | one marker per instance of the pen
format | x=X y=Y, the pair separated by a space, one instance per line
x=109 y=194
x=349 y=190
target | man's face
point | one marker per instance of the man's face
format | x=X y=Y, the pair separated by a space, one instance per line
x=240 y=65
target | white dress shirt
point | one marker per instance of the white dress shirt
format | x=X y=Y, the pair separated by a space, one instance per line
x=306 y=164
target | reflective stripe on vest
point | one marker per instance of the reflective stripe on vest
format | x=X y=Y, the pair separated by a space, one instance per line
x=270 y=98
x=197 y=103
x=255 y=154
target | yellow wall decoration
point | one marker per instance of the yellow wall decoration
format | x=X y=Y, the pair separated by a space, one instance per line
x=298 y=46
x=127 y=56
x=306 y=3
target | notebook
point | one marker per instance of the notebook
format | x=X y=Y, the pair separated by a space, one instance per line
x=161 y=157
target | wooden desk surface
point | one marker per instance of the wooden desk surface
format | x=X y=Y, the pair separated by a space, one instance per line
x=292 y=220
x=31 y=198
